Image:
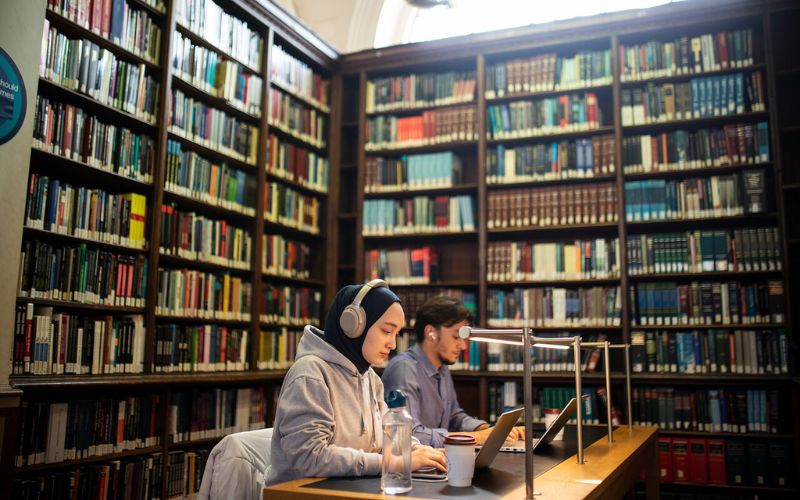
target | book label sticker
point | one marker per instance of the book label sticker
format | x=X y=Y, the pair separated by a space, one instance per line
x=13 y=100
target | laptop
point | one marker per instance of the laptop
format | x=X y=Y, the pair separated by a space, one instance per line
x=487 y=452
x=551 y=432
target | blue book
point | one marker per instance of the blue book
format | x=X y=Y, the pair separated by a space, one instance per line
x=679 y=341
x=717 y=95
x=698 y=355
x=501 y=162
x=723 y=95
x=709 y=84
x=641 y=293
x=730 y=102
x=504 y=115
x=762 y=410
x=739 y=93
x=712 y=350
x=588 y=156
x=646 y=195
x=689 y=353
x=751 y=411
x=650 y=305
x=701 y=84
x=763 y=141
x=581 y=157
x=696 y=97
x=714 y=407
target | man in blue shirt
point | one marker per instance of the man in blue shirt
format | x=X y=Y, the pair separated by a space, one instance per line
x=422 y=374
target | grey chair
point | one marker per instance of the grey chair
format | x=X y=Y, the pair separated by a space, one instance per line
x=236 y=467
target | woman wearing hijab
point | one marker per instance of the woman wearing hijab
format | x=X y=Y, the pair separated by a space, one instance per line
x=328 y=420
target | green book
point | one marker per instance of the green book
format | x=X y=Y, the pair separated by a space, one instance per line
x=758 y=462
x=736 y=462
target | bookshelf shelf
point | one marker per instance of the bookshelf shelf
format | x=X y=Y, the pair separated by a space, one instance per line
x=707 y=378
x=718 y=435
x=510 y=141
x=737 y=326
x=292 y=279
x=63 y=304
x=198 y=40
x=550 y=182
x=293 y=231
x=296 y=185
x=88 y=103
x=81 y=382
x=572 y=283
x=348 y=216
x=180 y=262
x=346 y=167
x=676 y=174
x=346 y=266
x=791 y=187
x=196 y=442
x=708 y=121
x=74 y=30
x=286 y=89
x=204 y=321
x=789 y=72
x=689 y=76
x=700 y=221
x=702 y=276
x=219 y=103
x=211 y=154
x=415 y=110
x=462 y=234
x=41 y=234
x=450 y=190
x=61 y=165
x=281 y=325
x=443 y=284
x=791 y=129
x=89 y=460
x=144 y=5
x=297 y=139
x=206 y=208
x=522 y=96
x=430 y=148
x=535 y=229
x=350 y=124
x=555 y=375
x=570 y=328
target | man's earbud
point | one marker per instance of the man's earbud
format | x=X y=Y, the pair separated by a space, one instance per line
x=431 y=335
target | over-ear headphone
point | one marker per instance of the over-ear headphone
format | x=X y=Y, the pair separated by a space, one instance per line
x=353 y=317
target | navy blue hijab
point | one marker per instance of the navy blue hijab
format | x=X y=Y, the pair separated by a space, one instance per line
x=376 y=302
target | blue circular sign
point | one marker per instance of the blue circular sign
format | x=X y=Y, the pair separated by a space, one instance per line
x=13 y=100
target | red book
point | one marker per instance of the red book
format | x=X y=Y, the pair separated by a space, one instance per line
x=105 y=27
x=97 y=16
x=665 y=459
x=698 y=461
x=716 y=462
x=722 y=46
x=680 y=460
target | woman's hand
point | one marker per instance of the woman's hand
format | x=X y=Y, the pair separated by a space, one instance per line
x=425 y=456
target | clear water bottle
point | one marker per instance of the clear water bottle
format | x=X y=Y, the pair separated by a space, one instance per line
x=396 y=462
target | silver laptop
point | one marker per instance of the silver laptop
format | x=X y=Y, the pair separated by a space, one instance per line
x=558 y=424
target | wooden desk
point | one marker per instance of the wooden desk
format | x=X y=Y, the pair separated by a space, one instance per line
x=609 y=472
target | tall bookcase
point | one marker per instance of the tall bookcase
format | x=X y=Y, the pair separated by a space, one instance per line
x=272 y=74
x=466 y=259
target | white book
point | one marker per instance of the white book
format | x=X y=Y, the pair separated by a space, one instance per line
x=56 y=433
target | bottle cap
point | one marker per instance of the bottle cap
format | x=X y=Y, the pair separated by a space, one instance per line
x=396 y=399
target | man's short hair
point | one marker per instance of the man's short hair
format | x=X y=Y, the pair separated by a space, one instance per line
x=441 y=311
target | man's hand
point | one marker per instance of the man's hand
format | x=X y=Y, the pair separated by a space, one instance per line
x=516 y=434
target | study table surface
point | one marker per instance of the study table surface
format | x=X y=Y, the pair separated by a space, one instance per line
x=609 y=472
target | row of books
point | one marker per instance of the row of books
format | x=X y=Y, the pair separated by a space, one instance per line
x=68 y=131
x=86 y=213
x=299 y=78
x=547 y=72
x=134 y=478
x=554 y=206
x=48 y=342
x=579 y=159
x=707 y=303
x=436 y=126
x=133 y=30
x=205 y=413
x=185 y=473
x=295 y=163
x=554 y=307
x=413 y=172
x=211 y=73
x=291 y=208
x=187 y=293
x=417 y=266
x=710 y=351
x=278 y=348
x=708 y=410
x=686 y=56
x=700 y=98
x=297 y=118
x=704 y=251
x=73 y=273
x=203 y=348
x=695 y=198
x=553 y=115
x=724 y=462
x=681 y=150
x=508 y=395
x=507 y=358
x=420 y=91
x=421 y=214
x=196 y=237
x=227 y=33
x=212 y=128
x=57 y=431
x=412 y=298
x=85 y=67
x=189 y=174
x=290 y=305
x=528 y=261
x=285 y=257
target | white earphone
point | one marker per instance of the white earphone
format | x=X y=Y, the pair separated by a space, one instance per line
x=432 y=336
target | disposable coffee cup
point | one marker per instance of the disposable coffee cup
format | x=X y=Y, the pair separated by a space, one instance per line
x=459 y=453
x=550 y=416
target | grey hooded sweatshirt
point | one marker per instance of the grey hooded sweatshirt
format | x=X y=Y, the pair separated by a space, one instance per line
x=323 y=427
